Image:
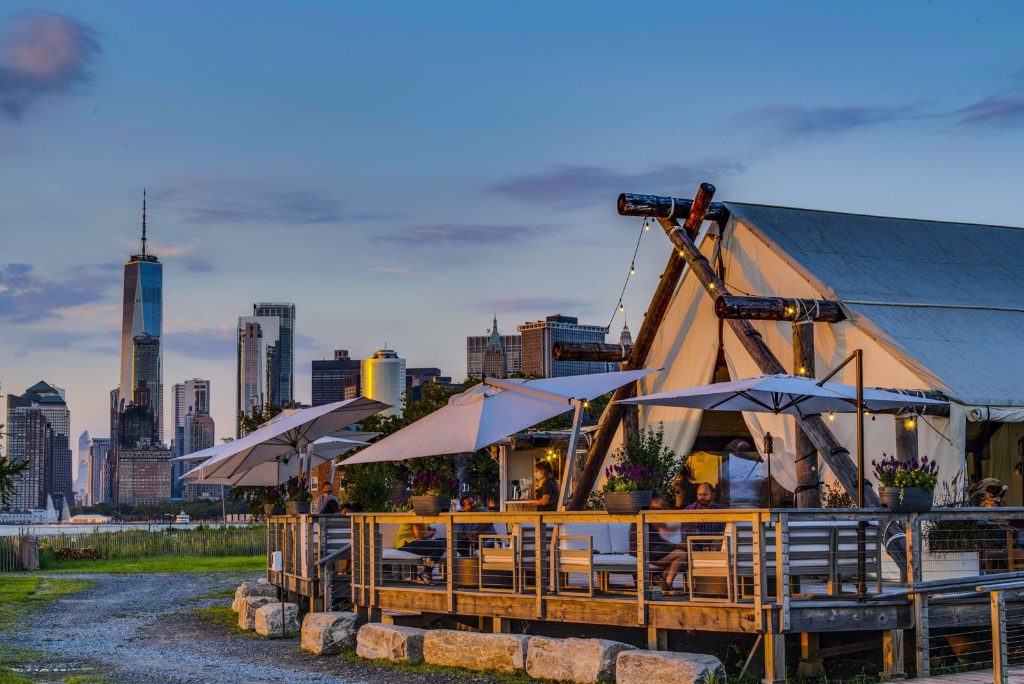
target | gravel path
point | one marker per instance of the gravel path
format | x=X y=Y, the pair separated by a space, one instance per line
x=142 y=628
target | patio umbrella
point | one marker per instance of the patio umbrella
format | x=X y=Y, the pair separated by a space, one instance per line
x=287 y=438
x=789 y=394
x=494 y=410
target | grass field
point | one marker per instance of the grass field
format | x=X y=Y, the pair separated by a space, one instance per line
x=162 y=564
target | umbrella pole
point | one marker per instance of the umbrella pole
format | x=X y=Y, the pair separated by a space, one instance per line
x=570 y=455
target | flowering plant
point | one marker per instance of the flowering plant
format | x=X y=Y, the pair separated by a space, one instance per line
x=923 y=473
x=297 y=491
x=624 y=477
x=430 y=483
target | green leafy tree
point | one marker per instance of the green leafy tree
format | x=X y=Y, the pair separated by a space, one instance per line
x=252 y=421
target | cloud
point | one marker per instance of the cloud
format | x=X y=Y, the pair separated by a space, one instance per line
x=567 y=183
x=43 y=55
x=452 y=234
x=212 y=344
x=538 y=306
x=26 y=297
x=996 y=110
x=197 y=264
x=409 y=272
x=218 y=201
x=809 y=121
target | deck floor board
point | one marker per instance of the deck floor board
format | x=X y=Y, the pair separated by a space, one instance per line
x=1016 y=676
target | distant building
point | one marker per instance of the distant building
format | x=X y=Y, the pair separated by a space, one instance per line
x=336 y=380
x=82 y=465
x=476 y=350
x=260 y=356
x=189 y=396
x=199 y=434
x=383 y=378
x=39 y=426
x=145 y=475
x=625 y=337
x=99 y=451
x=282 y=384
x=539 y=338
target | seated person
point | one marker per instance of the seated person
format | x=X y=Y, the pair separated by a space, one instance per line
x=676 y=561
x=467 y=535
x=421 y=538
x=350 y=508
x=327 y=502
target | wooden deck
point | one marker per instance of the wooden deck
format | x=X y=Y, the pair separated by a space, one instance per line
x=1014 y=676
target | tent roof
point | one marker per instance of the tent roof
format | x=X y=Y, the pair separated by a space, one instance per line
x=949 y=296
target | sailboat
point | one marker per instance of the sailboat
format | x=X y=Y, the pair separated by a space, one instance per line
x=65 y=512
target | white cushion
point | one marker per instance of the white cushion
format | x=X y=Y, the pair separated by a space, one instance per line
x=618 y=560
x=397 y=555
x=600 y=541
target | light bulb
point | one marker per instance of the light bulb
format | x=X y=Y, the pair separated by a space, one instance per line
x=909 y=423
x=622 y=309
x=831 y=416
x=632 y=270
x=647 y=226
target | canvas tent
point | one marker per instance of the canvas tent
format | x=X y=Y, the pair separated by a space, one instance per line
x=934 y=305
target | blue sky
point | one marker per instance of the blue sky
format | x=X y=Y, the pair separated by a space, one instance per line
x=401 y=170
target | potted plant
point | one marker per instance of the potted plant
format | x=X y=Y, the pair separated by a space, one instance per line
x=644 y=465
x=906 y=487
x=299 y=499
x=628 y=488
x=432 y=492
x=271 y=499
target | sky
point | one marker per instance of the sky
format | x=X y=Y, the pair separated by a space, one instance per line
x=402 y=171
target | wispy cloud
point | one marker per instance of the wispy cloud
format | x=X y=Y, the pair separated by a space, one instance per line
x=537 y=306
x=43 y=55
x=810 y=121
x=995 y=111
x=462 y=235
x=218 y=201
x=212 y=344
x=409 y=272
x=567 y=183
x=25 y=296
x=197 y=264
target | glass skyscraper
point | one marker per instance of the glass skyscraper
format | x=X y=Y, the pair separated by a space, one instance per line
x=282 y=381
x=141 y=335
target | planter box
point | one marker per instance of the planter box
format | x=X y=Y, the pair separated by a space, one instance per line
x=626 y=503
x=296 y=507
x=913 y=500
x=430 y=505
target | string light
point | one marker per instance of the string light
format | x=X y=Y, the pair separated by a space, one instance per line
x=910 y=423
x=832 y=415
x=632 y=270
x=801 y=371
x=620 y=307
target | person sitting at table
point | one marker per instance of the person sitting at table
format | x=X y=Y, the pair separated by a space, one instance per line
x=678 y=558
x=421 y=538
x=467 y=535
x=545 y=488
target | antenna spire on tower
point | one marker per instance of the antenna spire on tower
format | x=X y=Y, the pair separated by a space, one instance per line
x=143 y=221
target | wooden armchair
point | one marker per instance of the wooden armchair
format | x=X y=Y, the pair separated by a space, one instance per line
x=710 y=561
x=572 y=553
x=499 y=553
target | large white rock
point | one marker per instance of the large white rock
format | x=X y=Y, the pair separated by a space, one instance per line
x=277 y=619
x=328 y=633
x=247 y=610
x=390 y=642
x=476 y=651
x=647 y=667
x=574 y=660
x=258 y=588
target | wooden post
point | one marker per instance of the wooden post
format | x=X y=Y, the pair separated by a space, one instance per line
x=778 y=309
x=811 y=664
x=774 y=654
x=657 y=639
x=906 y=438
x=641 y=347
x=591 y=351
x=808 y=481
x=997 y=607
x=892 y=655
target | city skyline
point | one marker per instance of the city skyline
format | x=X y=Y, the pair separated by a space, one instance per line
x=510 y=162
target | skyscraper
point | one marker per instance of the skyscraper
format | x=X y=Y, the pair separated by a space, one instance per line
x=539 y=338
x=282 y=380
x=96 y=491
x=39 y=426
x=199 y=435
x=335 y=380
x=383 y=379
x=259 y=362
x=477 y=346
x=81 y=471
x=141 y=334
x=191 y=396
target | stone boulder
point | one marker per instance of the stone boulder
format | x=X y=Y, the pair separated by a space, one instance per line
x=328 y=633
x=645 y=667
x=390 y=642
x=247 y=610
x=574 y=660
x=257 y=588
x=475 y=651
x=277 y=619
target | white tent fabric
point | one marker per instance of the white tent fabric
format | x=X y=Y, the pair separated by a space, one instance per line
x=485 y=414
x=751 y=265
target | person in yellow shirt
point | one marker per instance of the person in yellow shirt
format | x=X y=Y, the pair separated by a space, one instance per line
x=423 y=539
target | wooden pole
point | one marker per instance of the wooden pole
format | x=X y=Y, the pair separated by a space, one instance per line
x=655 y=206
x=641 y=347
x=778 y=309
x=808 y=481
x=591 y=351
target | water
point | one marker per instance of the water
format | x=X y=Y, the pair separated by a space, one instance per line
x=51 y=529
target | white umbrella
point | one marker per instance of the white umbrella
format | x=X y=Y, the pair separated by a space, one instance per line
x=489 y=412
x=283 y=439
x=326 y=448
x=789 y=394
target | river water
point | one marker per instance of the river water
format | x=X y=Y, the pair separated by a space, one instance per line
x=51 y=529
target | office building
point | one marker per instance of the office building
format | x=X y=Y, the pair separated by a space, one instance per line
x=99 y=451
x=144 y=475
x=81 y=470
x=39 y=426
x=383 y=378
x=141 y=381
x=477 y=348
x=625 y=337
x=539 y=338
x=282 y=381
x=189 y=396
x=199 y=434
x=337 y=379
x=259 y=363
